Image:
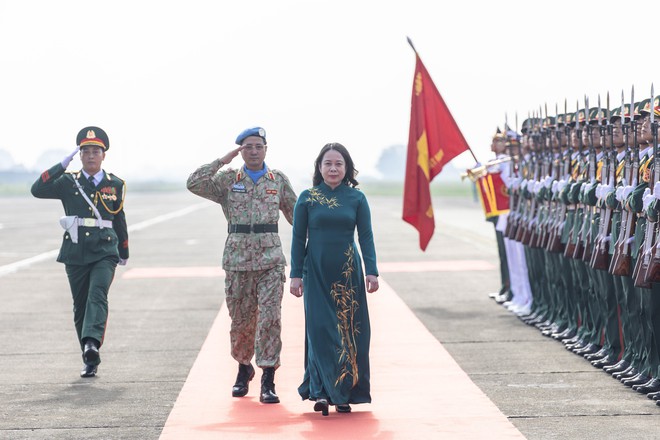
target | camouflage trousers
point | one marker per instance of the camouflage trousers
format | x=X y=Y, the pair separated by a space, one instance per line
x=254 y=302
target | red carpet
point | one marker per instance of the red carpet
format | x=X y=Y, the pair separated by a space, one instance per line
x=444 y=404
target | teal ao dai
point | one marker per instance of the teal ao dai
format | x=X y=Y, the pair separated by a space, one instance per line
x=324 y=254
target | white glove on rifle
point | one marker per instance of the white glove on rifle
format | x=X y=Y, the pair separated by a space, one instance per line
x=67 y=159
x=561 y=185
x=626 y=192
x=547 y=181
x=599 y=190
x=555 y=185
x=647 y=198
x=656 y=190
x=606 y=190
x=619 y=193
x=537 y=187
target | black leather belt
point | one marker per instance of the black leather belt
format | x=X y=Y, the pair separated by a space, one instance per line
x=246 y=229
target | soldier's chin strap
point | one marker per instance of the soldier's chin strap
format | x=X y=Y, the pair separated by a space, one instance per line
x=89 y=202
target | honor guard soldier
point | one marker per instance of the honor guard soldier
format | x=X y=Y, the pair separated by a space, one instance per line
x=251 y=198
x=95 y=236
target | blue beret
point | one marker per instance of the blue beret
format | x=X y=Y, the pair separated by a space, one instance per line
x=254 y=131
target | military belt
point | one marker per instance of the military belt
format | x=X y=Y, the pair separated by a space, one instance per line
x=246 y=229
x=94 y=223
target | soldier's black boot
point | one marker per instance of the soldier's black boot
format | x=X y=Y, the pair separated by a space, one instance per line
x=268 y=387
x=245 y=375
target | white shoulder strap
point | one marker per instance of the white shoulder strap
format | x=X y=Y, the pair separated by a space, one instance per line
x=89 y=202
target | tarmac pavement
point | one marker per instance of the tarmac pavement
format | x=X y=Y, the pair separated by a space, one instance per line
x=157 y=326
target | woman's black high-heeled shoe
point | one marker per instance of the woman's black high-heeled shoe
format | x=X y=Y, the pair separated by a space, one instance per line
x=321 y=405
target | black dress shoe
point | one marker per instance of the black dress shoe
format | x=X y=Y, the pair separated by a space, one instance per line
x=639 y=379
x=346 y=408
x=91 y=352
x=618 y=367
x=588 y=349
x=600 y=354
x=321 y=405
x=89 y=371
x=566 y=334
x=243 y=378
x=654 y=396
x=268 y=387
x=600 y=363
x=652 y=386
x=626 y=374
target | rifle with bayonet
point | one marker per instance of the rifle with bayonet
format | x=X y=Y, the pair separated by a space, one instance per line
x=600 y=257
x=538 y=228
x=653 y=271
x=640 y=274
x=621 y=259
x=573 y=245
x=560 y=174
x=590 y=212
x=530 y=218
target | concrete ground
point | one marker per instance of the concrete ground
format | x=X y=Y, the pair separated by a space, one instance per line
x=157 y=326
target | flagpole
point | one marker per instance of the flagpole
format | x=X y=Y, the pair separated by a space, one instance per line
x=417 y=55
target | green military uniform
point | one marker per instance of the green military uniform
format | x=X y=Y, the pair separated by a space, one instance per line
x=91 y=248
x=253 y=257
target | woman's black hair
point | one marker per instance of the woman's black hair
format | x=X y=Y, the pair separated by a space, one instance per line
x=351 y=172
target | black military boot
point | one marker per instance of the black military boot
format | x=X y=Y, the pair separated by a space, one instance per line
x=268 y=387
x=245 y=375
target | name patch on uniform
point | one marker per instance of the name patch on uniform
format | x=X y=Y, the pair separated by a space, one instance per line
x=271 y=191
x=238 y=188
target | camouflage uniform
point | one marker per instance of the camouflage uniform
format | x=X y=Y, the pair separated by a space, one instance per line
x=254 y=262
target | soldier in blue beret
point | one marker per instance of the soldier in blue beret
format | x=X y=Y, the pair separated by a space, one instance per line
x=251 y=198
x=95 y=235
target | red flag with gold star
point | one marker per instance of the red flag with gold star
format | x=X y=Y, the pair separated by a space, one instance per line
x=434 y=140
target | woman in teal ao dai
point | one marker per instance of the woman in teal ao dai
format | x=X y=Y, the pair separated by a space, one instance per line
x=327 y=268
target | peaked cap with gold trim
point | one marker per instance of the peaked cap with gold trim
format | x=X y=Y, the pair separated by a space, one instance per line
x=93 y=136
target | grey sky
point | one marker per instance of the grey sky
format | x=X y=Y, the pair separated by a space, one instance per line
x=174 y=82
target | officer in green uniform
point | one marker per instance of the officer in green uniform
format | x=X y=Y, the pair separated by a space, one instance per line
x=95 y=238
x=251 y=198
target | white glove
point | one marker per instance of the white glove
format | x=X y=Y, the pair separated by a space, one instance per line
x=123 y=261
x=537 y=187
x=67 y=159
x=626 y=192
x=548 y=181
x=647 y=198
x=656 y=190
x=583 y=187
x=555 y=185
x=561 y=185
x=515 y=184
x=619 y=193
x=523 y=184
x=599 y=190
x=606 y=190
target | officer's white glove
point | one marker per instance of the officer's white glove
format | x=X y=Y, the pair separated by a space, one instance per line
x=583 y=188
x=599 y=189
x=626 y=192
x=656 y=190
x=647 y=198
x=67 y=159
x=123 y=261
x=548 y=181
x=537 y=187
x=523 y=184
